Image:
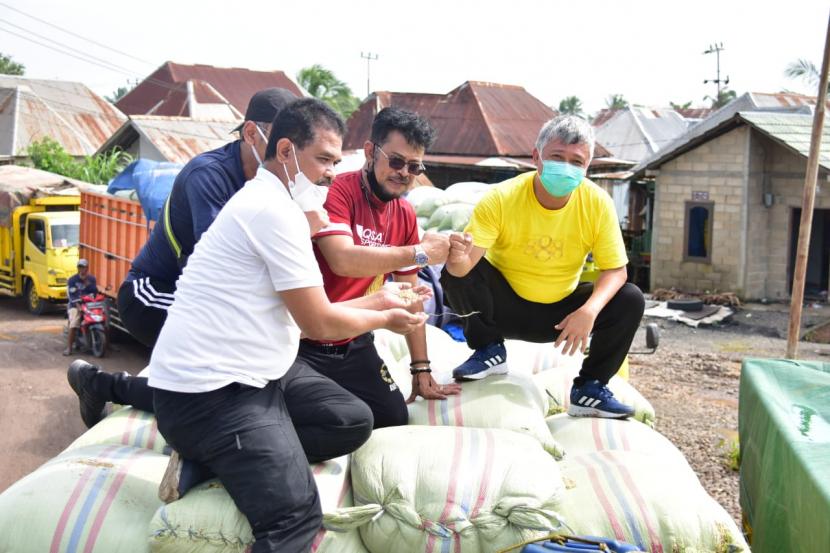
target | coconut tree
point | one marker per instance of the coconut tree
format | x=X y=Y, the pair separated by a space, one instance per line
x=571 y=105
x=616 y=101
x=324 y=85
x=805 y=70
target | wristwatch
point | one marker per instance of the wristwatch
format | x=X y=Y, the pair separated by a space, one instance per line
x=421 y=257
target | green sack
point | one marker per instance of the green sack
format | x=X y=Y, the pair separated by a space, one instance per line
x=98 y=498
x=442 y=218
x=206 y=519
x=426 y=199
x=556 y=385
x=467 y=192
x=454 y=489
x=642 y=499
x=507 y=402
x=580 y=435
x=125 y=426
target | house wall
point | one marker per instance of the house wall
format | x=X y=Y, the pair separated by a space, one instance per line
x=786 y=173
x=146 y=150
x=720 y=168
x=762 y=257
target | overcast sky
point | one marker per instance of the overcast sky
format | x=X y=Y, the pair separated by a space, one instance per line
x=649 y=51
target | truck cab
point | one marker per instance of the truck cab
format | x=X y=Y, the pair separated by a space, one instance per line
x=39 y=250
x=50 y=256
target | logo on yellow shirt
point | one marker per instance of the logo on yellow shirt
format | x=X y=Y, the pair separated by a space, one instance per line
x=545 y=248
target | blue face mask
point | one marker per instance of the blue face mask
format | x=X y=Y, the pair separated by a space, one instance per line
x=560 y=178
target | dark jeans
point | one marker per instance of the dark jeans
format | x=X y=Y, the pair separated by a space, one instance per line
x=358 y=368
x=504 y=314
x=253 y=440
x=355 y=366
x=142 y=306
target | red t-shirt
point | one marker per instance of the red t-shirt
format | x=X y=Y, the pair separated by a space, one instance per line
x=354 y=211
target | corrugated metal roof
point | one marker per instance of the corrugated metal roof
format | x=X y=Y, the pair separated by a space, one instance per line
x=179 y=139
x=234 y=84
x=793 y=130
x=634 y=133
x=68 y=112
x=475 y=119
x=723 y=118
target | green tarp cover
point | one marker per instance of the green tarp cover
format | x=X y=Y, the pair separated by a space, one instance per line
x=784 y=424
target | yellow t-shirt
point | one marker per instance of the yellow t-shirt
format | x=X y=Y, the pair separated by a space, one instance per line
x=541 y=251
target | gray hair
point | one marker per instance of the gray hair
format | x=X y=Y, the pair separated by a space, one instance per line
x=568 y=129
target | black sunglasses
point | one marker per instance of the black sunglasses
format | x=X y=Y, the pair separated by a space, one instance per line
x=397 y=163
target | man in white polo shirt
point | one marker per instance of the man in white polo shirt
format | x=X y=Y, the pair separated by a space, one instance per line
x=229 y=392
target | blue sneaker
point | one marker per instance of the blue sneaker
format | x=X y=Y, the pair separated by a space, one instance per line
x=593 y=399
x=485 y=361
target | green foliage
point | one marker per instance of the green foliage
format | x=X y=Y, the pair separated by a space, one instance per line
x=48 y=155
x=685 y=105
x=323 y=84
x=10 y=67
x=805 y=70
x=616 y=101
x=724 y=97
x=732 y=452
x=570 y=105
x=119 y=93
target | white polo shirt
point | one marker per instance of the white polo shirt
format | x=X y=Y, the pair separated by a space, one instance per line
x=228 y=323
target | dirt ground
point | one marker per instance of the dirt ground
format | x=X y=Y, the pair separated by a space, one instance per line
x=692 y=381
x=38 y=410
x=693 y=378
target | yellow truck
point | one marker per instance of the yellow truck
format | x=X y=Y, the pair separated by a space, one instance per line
x=39 y=230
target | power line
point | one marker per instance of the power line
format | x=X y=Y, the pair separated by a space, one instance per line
x=67 y=31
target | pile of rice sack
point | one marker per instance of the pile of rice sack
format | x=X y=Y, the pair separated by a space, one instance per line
x=446 y=210
x=489 y=468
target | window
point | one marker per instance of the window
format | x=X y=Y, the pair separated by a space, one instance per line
x=698 y=232
x=65 y=235
x=37 y=234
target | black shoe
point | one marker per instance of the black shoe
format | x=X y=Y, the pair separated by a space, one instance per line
x=80 y=375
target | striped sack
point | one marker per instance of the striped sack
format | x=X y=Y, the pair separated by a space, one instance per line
x=507 y=402
x=206 y=519
x=448 y=490
x=126 y=426
x=589 y=434
x=96 y=499
x=556 y=385
x=643 y=499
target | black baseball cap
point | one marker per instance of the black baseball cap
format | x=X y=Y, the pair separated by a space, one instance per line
x=265 y=104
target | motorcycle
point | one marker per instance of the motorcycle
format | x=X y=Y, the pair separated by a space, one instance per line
x=92 y=335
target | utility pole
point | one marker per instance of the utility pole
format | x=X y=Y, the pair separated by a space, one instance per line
x=369 y=57
x=808 y=201
x=716 y=49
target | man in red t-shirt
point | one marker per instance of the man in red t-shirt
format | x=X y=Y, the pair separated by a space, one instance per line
x=373 y=233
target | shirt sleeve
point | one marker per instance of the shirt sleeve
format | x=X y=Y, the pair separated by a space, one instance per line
x=486 y=220
x=72 y=290
x=93 y=285
x=207 y=194
x=609 y=247
x=339 y=208
x=280 y=237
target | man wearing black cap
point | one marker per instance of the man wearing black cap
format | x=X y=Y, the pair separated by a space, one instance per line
x=78 y=286
x=200 y=190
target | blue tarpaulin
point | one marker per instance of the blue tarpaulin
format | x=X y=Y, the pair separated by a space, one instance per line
x=152 y=182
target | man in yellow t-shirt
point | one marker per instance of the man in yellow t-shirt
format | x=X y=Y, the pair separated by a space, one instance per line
x=517 y=267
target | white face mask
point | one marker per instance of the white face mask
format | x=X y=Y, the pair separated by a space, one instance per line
x=306 y=194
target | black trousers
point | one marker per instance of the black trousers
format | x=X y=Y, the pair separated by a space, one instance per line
x=358 y=368
x=253 y=440
x=504 y=314
x=355 y=366
x=142 y=305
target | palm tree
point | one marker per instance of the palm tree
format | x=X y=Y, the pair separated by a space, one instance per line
x=571 y=105
x=805 y=70
x=685 y=105
x=724 y=97
x=616 y=101
x=323 y=84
